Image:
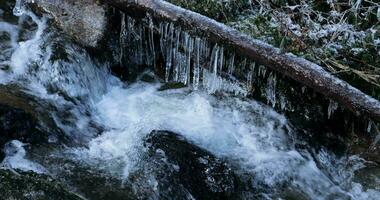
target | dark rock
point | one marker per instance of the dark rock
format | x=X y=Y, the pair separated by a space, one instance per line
x=184 y=171
x=88 y=181
x=17 y=124
x=31 y=186
x=171 y=85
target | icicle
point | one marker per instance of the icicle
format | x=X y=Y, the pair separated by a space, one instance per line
x=250 y=76
x=166 y=45
x=282 y=102
x=303 y=89
x=333 y=106
x=221 y=60
x=183 y=60
x=261 y=71
x=231 y=64
x=140 y=47
x=271 y=89
x=176 y=54
x=131 y=40
x=19 y=8
x=151 y=41
x=243 y=64
x=162 y=32
x=264 y=71
x=213 y=82
x=189 y=55
x=169 y=51
x=214 y=59
x=196 y=71
x=369 y=127
x=123 y=34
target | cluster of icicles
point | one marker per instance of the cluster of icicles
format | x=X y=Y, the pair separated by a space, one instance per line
x=198 y=63
x=194 y=61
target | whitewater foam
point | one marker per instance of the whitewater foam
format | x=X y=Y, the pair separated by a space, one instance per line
x=15 y=158
x=241 y=131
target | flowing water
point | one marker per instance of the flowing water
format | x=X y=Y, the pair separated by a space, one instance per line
x=108 y=119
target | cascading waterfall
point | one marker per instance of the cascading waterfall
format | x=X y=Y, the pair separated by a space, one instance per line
x=34 y=64
x=245 y=133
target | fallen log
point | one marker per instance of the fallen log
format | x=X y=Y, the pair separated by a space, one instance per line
x=299 y=69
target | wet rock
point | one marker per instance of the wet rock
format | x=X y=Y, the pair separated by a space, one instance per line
x=179 y=169
x=368 y=176
x=88 y=181
x=28 y=185
x=171 y=85
x=84 y=20
x=18 y=124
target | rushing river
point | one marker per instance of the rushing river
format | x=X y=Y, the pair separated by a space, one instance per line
x=106 y=120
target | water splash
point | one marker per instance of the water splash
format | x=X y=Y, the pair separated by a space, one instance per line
x=240 y=131
x=15 y=158
x=52 y=70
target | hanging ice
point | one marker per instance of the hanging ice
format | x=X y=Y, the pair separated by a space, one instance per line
x=197 y=66
x=186 y=59
x=123 y=35
x=231 y=64
x=271 y=89
x=250 y=76
x=19 y=9
x=333 y=106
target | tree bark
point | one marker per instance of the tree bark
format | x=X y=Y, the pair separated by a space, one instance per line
x=299 y=69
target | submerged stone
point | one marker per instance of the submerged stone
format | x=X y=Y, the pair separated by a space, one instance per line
x=178 y=169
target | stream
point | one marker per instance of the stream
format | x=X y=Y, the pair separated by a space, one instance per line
x=96 y=127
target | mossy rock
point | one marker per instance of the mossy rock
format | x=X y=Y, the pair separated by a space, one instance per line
x=29 y=185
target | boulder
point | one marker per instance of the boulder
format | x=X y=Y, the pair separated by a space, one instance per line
x=178 y=169
x=85 y=20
